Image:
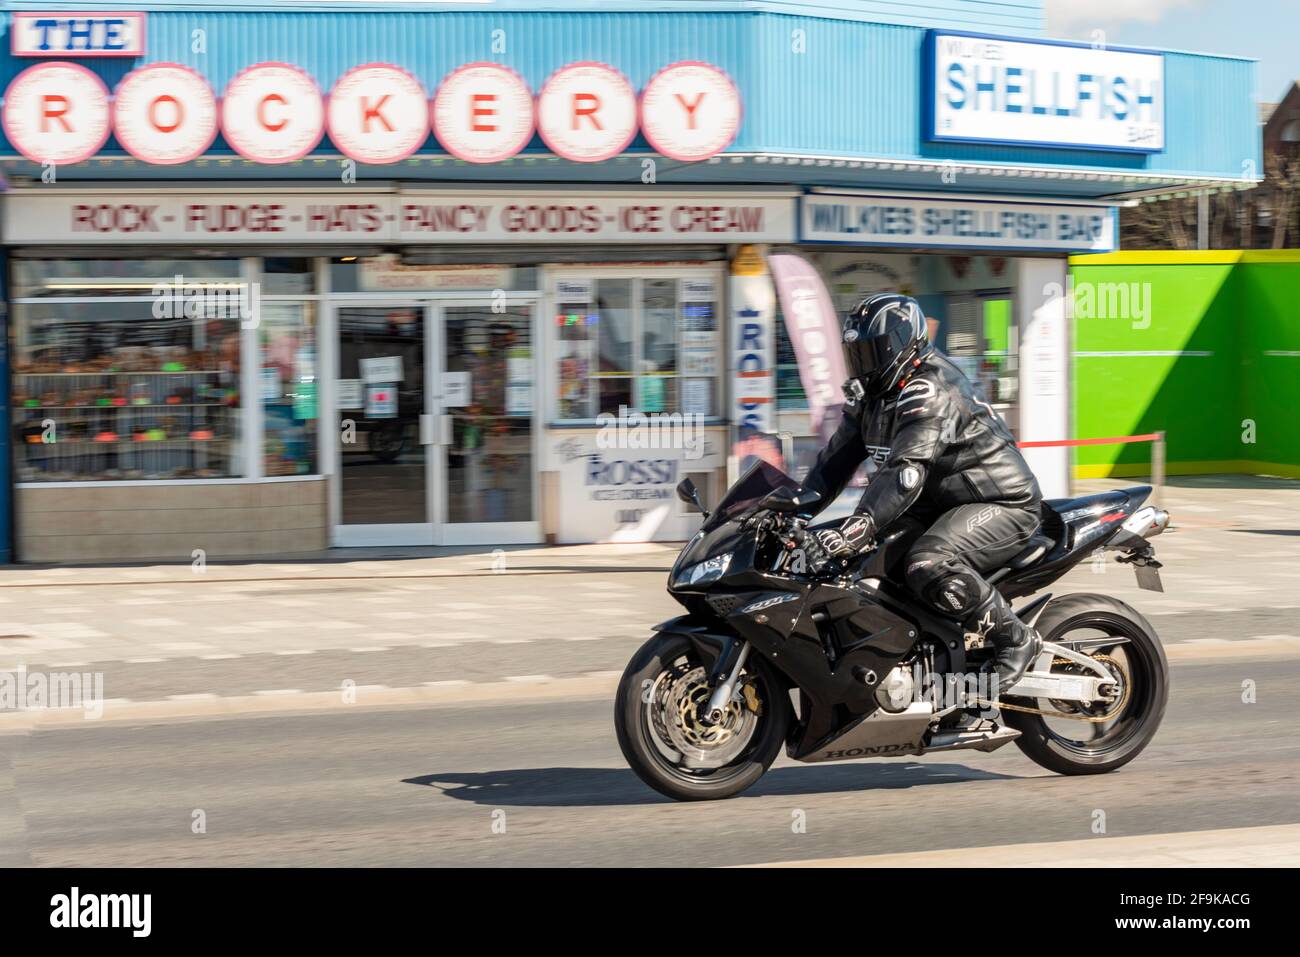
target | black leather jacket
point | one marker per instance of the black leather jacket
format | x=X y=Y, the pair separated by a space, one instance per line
x=938 y=446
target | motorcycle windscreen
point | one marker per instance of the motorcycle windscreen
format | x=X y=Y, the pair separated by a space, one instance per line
x=759 y=481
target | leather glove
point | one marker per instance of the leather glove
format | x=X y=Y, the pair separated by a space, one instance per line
x=832 y=544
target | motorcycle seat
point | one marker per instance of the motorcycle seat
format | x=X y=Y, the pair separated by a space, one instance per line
x=1135 y=494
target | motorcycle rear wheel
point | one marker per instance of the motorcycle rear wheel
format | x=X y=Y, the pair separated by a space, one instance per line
x=655 y=716
x=1073 y=746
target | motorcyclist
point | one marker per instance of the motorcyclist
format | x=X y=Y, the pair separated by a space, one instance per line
x=947 y=462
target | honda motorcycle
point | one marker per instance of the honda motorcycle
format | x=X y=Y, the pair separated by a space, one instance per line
x=846 y=663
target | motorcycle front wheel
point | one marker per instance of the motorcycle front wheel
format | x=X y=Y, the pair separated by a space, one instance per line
x=660 y=700
x=1070 y=738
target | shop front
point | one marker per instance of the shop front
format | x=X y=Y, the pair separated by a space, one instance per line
x=281 y=280
x=181 y=384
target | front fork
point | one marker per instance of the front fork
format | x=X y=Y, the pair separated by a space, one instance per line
x=721 y=695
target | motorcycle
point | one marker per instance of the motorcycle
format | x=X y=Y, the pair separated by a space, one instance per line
x=846 y=663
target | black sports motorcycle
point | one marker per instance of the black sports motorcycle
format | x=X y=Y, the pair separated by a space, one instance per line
x=847 y=664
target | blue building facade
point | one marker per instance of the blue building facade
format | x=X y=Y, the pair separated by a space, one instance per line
x=422 y=350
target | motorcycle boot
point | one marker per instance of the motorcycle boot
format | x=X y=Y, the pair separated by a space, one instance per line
x=1016 y=645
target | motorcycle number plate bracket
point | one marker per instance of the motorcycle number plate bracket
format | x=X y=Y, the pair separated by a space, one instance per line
x=1148 y=578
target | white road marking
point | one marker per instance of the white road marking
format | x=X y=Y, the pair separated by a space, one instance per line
x=72 y=630
x=1230 y=847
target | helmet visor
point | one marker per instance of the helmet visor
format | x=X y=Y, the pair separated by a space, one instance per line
x=871 y=357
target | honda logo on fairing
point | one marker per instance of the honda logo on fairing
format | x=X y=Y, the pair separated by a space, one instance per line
x=863 y=752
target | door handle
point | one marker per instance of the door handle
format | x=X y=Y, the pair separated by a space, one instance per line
x=447 y=431
x=426 y=429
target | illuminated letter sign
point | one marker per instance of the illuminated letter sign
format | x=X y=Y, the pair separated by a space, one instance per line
x=586 y=112
x=690 y=111
x=483 y=113
x=377 y=114
x=272 y=113
x=56 y=113
x=165 y=113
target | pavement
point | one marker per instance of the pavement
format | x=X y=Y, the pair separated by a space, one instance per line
x=382 y=710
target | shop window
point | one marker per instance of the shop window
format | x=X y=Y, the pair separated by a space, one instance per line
x=288 y=383
x=288 y=277
x=980 y=338
x=117 y=389
x=790 y=396
x=648 y=344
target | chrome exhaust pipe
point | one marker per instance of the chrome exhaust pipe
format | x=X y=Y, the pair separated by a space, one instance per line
x=1147 y=522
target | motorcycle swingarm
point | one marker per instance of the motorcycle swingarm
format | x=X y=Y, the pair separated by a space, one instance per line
x=1061 y=687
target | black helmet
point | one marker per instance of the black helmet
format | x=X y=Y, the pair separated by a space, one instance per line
x=882 y=336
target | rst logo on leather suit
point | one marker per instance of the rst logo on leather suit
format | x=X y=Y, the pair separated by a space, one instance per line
x=980 y=517
x=878 y=454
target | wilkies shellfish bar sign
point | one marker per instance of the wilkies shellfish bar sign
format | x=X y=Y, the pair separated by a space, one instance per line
x=60 y=112
x=55 y=215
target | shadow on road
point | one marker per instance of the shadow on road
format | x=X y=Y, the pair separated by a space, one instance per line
x=608 y=787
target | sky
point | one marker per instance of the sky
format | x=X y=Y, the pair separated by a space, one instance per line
x=1264 y=29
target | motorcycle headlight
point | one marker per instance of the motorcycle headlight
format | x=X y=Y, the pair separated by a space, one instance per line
x=704 y=573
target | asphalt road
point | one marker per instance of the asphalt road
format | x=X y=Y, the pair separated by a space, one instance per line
x=593 y=647
x=543 y=784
